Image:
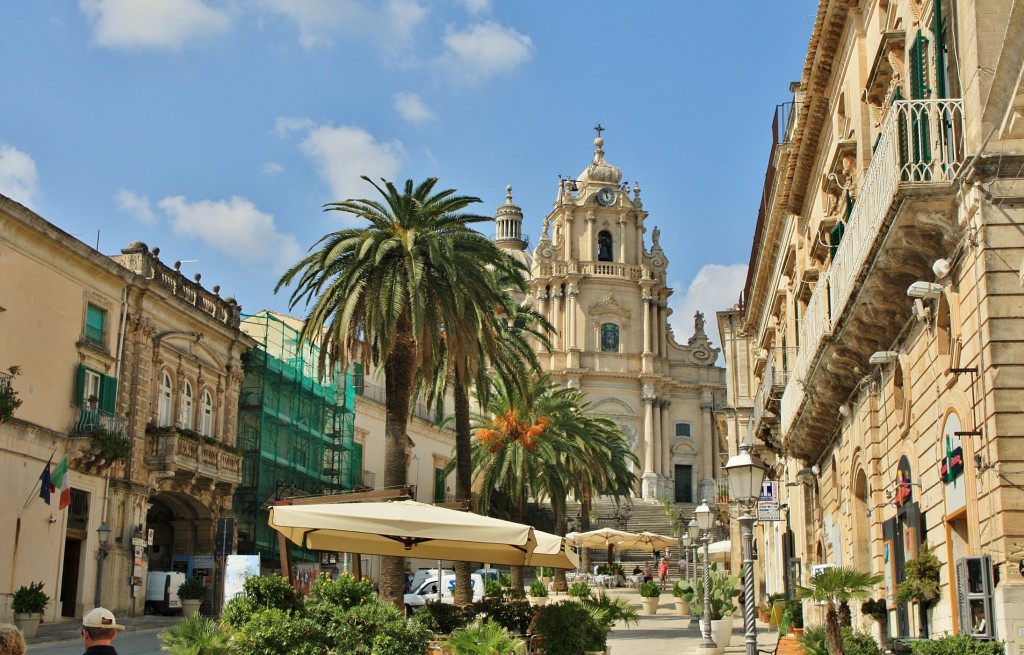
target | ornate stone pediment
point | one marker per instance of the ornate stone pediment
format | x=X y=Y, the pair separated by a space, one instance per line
x=609 y=307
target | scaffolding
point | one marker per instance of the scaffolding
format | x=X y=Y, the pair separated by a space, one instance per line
x=294 y=430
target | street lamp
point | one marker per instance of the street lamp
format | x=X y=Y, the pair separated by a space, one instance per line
x=693 y=531
x=746 y=473
x=103 y=533
x=704 y=521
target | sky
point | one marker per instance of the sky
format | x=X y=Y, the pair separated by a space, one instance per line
x=216 y=130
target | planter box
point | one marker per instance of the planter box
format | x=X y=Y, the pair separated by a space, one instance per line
x=28 y=623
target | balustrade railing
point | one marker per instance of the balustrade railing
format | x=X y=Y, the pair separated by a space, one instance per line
x=921 y=143
x=88 y=419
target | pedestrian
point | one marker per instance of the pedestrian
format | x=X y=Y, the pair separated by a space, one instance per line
x=647 y=571
x=12 y=642
x=663 y=571
x=99 y=627
x=682 y=567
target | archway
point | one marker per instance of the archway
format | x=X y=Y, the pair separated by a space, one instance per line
x=183 y=528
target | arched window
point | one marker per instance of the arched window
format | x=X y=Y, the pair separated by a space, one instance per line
x=163 y=400
x=185 y=410
x=604 y=246
x=609 y=338
x=206 y=418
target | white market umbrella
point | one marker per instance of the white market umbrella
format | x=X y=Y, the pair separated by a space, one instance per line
x=601 y=538
x=405 y=529
x=649 y=541
x=553 y=552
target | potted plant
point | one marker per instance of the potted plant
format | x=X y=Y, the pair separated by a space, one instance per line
x=484 y=638
x=795 y=612
x=579 y=590
x=28 y=604
x=724 y=588
x=538 y=594
x=192 y=593
x=565 y=629
x=606 y=611
x=922 y=582
x=195 y=635
x=679 y=589
x=649 y=593
x=544 y=574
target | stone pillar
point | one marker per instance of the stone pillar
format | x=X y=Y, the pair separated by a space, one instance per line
x=590 y=236
x=567 y=236
x=662 y=348
x=666 y=438
x=707 y=446
x=647 y=324
x=650 y=478
x=622 y=239
x=556 y=318
x=571 y=306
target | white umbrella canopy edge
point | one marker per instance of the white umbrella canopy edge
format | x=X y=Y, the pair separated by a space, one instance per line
x=404 y=529
x=553 y=552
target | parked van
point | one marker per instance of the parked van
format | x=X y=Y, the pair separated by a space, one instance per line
x=422 y=574
x=162 y=592
x=431 y=592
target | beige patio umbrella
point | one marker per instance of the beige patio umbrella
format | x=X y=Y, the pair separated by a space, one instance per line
x=553 y=552
x=405 y=529
x=601 y=538
x=648 y=541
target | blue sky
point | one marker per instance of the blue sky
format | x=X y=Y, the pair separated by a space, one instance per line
x=216 y=129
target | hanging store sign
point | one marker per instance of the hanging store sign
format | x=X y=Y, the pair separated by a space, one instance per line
x=768 y=507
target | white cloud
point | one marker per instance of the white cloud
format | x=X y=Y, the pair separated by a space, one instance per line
x=392 y=26
x=715 y=287
x=272 y=168
x=159 y=24
x=235 y=227
x=135 y=205
x=484 y=50
x=18 y=176
x=286 y=125
x=410 y=106
x=477 y=6
x=342 y=154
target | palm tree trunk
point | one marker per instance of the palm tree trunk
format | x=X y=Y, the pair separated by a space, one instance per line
x=845 y=616
x=833 y=633
x=519 y=509
x=560 y=529
x=398 y=380
x=585 y=527
x=463 y=479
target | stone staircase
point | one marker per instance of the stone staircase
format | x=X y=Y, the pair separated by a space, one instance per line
x=633 y=515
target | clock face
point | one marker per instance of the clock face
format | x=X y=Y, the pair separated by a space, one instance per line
x=606 y=196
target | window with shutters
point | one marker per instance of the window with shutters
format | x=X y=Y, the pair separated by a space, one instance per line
x=94 y=390
x=185 y=407
x=206 y=420
x=438 y=485
x=95 y=324
x=163 y=403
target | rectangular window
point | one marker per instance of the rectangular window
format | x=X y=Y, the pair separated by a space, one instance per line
x=357 y=463
x=95 y=320
x=357 y=378
x=438 y=485
x=95 y=390
x=683 y=430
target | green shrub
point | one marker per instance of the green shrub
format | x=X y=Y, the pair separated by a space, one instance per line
x=444 y=618
x=485 y=638
x=195 y=635
x=238 y=611
x=579 y=589
x=957 y=645
x=276 y=632
x=814 y=641
x=605 y=611
x=192 y=589
x=512 y=614
x=922 y=581
x=377 y=629
x=493 y=588
x=538 y=589
x=30 y=599
x=566 y=628
x=272 y=591
x=876 y=609
x=345 y=592
x=650 y=589
x=859 y=643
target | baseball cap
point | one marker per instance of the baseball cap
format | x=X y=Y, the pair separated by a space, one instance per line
x=100 y=618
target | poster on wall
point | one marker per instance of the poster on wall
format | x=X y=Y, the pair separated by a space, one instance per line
x=239 y=568
x=951 y=464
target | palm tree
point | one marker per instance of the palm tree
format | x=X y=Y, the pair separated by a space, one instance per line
x=835 y=587
x=386 y=293
x=195 y=635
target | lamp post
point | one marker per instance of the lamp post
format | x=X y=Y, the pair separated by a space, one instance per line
x=746 y=473
x=693 y=531
x=704 y=522
x=103 y=532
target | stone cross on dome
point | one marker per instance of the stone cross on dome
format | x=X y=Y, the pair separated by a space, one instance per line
x=598 y=129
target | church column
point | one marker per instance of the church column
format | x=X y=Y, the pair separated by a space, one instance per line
x=666 y=438
x=706 y=438
x=622 y=238
x=656 y=431
x=662 y=329
x=647 y=324
x=650 y=477
x=639 y=243
x=590 y=236
x=571 y=309
x=556 y=317
x=568 y=237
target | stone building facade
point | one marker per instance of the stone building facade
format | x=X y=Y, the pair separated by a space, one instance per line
x=132 y=371
x=883 y=310
x=594 y=278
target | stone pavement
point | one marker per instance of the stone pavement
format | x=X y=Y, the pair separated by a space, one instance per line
x=70 y=628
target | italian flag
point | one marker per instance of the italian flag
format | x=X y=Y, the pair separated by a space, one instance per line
x=59 y=479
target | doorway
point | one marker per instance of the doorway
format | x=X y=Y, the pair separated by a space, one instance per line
x=69 y=576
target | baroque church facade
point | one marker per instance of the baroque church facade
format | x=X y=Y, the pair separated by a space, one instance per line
x=604 y=290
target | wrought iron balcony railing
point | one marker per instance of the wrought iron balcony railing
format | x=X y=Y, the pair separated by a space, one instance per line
x=921 y=144
x=88 y=420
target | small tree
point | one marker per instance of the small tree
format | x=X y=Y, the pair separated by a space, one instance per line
x=834 y=587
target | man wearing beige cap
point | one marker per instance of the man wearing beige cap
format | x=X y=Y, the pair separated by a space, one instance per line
x=99 y=627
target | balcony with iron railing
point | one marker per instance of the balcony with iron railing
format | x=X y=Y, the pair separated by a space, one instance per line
x=378 y=395
x=918 y=155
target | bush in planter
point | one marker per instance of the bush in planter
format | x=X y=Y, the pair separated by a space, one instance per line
x=192 y=589
x=605 y=611
x=544 y=572
x=859 y=643
x=259 y=593
x=876 y=609
x=957 y=645
x=538 y=589
x=650 y=589
x=30 y=599
x=922 y=581
x=485 y=638
x=579 y=589
x=444 y=618
x=814 y=641
x=513 y=614
x=566 y=628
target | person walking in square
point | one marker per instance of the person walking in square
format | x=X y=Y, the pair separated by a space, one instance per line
x=663 y=571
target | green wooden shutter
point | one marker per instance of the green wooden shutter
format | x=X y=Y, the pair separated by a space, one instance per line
x=357 y=462
x=439 y=485
x=835 y=237
x=108 y=394
x=919 y=67
x=79 y=386
x=94 y=323
x=940 y=52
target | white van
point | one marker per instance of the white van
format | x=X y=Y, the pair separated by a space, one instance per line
x=162 y=592
x=423 y=574
x=430 y=592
